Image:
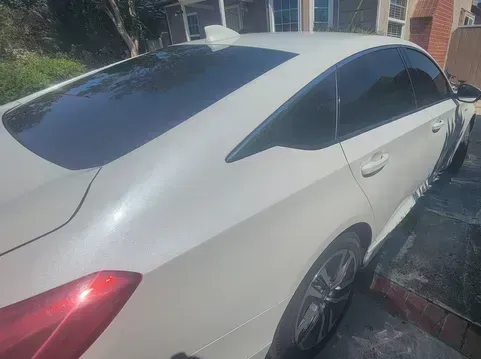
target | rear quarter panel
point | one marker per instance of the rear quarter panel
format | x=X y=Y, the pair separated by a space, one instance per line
x=282 y=207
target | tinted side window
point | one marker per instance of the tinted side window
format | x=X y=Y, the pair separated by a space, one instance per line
x=429 y=83
x=308 y=122
x=372 y=89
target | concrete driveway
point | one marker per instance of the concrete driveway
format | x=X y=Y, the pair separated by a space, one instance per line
x=421 y=296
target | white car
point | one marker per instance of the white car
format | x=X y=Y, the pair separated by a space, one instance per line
x=214 y=199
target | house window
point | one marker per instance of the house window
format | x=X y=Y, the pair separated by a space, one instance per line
x=193 y=23
x=397 y=9
x=397 y=18
x=468 y=20
x=394 y=29
x=286 y=15
x=321 y=14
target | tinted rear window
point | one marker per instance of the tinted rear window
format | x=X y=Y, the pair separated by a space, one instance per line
x=100 y=118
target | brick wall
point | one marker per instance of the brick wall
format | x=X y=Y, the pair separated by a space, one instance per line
x=430 y=27
x=421 y=31
x=441 y=31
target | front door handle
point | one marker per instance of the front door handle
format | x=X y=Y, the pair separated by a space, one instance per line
x=437 y=125
x=375 y=164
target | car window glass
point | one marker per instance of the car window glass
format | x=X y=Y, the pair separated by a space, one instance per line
x=101 y=117
x=373 y=88
x=429 y=83
x=308 y=122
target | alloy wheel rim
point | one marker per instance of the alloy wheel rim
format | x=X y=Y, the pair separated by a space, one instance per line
x=325 y=299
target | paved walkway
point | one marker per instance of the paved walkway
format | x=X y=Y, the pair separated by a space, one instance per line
x=369 y=332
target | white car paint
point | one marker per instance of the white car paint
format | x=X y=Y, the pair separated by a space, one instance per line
x=222 y=247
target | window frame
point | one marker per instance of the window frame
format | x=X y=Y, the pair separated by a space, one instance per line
x=234 y=156
x=398 y=21
x=330 y=14
x=272 y=18
x=193 y=36
x=468 y=17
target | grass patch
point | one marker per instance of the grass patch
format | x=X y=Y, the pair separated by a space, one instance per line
x=27 y=73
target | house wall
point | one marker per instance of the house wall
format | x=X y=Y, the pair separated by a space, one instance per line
x=441 y=31
x=459 y=7
x=176 y=24
x=335 y=11
x=206 y=16
x=409 y=14
x=304 y=6
x=383 y=17
x=421 y=31
x=254 y=16
x=358 y=14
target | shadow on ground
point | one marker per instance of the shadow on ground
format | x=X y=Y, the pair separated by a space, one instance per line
x=436 y=251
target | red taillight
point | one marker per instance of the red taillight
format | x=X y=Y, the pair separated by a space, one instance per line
x=65 y=321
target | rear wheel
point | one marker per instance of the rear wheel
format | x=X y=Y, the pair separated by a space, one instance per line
x=319 y=302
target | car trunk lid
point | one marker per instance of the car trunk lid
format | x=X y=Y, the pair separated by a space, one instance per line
x=36 y=196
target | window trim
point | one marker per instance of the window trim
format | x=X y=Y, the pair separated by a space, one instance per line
x=193 y=36
x=330 y=14
x=399 y=21
x=468 y=16
x=233 y=155
x=272 y=19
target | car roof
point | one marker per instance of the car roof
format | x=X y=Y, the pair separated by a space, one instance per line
x=310 y=42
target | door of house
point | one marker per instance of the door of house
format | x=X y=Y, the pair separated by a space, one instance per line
x=233 y=17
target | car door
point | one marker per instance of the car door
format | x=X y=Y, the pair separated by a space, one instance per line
x=433 y=93
x=383 y=135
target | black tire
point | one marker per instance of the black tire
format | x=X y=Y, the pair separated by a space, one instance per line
x=284 y=345
x=460 y=154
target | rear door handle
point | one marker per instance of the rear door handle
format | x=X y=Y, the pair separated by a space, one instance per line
x=437 y=125
x=375 y=164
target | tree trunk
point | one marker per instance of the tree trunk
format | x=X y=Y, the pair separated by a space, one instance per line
x=113 y=12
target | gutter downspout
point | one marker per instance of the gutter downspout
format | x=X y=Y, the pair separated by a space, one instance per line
x=184 y=18
x=222 y=13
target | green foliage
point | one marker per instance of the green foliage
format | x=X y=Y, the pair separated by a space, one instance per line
x=350 y=29
x=46 y=41
x=30 y=72
x=26 y=27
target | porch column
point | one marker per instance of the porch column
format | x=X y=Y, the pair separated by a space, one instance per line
x=222 y=13
x=186 y=24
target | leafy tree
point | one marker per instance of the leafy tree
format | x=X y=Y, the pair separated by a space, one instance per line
x=122 y=22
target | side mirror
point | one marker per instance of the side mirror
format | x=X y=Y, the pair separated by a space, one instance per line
x=468 y=93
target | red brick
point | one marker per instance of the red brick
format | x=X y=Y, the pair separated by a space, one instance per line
x=415 y=306
x=396 y=300
x=453 y=331
x=432 y=319
x=472 y=343
x=380 y=285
